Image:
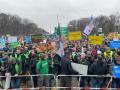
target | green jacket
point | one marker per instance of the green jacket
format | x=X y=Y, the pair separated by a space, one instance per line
x=42 y=67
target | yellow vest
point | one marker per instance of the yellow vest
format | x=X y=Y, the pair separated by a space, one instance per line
x=111 y=54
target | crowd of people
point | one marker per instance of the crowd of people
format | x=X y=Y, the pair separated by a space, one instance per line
x=28 y=59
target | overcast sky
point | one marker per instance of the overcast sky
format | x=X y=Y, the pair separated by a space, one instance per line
x=44 y=12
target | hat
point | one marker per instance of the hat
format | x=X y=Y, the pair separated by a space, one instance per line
x=99 y=52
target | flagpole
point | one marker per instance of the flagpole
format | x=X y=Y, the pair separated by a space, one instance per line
x=59 y=33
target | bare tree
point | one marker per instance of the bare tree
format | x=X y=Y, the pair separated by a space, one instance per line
x=14 y=25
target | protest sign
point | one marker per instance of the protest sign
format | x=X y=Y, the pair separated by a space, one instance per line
x=115 y=44
x=116 y=71
x=82 y=69
x=37 y=38
x=95 y=40
x=74 y=36
x=27 y=39
x=12 y=39
x=2 y=43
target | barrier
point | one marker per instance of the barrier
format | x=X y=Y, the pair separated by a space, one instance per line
x=5 y=84
x=76 y=79
x=79 y=78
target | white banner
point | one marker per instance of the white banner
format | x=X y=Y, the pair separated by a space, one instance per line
x=80 y=68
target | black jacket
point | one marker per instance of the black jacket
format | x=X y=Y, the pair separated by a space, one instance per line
x=66 y=67
x=98 y=68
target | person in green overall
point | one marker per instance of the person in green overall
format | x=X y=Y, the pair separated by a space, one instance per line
x=15 y=69
x=42 y=69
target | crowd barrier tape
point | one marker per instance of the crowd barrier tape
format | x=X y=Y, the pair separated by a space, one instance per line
x=56 y=79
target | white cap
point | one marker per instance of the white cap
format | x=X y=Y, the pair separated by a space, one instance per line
x=99 y=52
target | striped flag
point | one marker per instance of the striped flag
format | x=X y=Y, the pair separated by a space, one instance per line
x=60 y=51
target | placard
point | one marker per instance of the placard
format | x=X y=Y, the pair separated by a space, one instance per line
x=95 y=40
x=74 y=36
x=82 y=69
x=116 y=71
x=27 y=39
x=37 y=38
x=115 y=44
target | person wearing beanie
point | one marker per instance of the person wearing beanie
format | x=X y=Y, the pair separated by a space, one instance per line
x=98 y=68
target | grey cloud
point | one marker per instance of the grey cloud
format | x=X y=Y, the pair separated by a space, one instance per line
x=44 y=12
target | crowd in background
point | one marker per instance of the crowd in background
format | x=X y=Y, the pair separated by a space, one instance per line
x=28 y=59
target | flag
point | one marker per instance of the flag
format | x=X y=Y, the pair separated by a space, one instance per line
x=88 y=29
x=60 y=51
x=58 y=33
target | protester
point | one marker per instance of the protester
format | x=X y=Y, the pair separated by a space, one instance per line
x=4 y=67
x=85 y=60
x=15 y=68
x=42 y=69
x=66 y=69
x=116 y=81
x=33 y=60
x=56 y=63
x=98 y=68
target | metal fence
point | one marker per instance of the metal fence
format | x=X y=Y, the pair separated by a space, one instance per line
x=27 y=81
x=60 y=82
x=79 y=82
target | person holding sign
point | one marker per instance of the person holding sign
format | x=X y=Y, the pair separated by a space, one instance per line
x=116 y=71
x=66 y=69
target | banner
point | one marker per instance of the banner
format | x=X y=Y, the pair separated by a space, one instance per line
x=115 y=44
x=12 y=39
x=82 y=69
x=95 y=40
x=116 y=71
x=74 y=36
x=37 y=38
